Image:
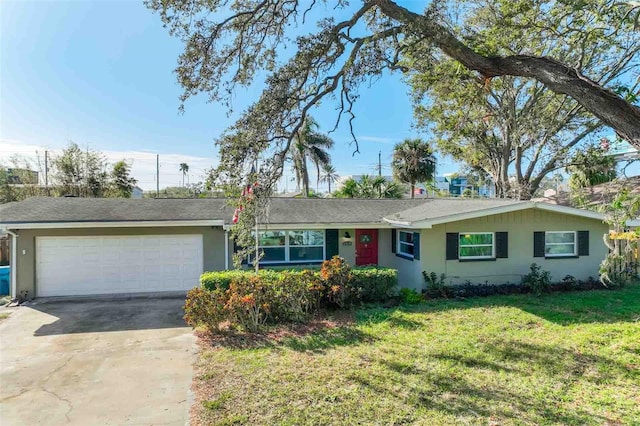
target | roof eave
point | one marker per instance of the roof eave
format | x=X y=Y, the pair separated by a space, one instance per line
x=110 y=224
x=428 y=223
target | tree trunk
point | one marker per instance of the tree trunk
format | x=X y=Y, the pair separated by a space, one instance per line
x=614 y=111
x=413 y=190
x=305 y=177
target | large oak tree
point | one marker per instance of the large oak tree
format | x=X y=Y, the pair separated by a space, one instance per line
x=231 y=42
x=516 y=129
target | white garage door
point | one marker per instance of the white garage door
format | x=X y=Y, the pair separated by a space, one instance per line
x=71 y=266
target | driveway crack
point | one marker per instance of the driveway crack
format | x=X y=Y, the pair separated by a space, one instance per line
x=55 y=370
x=69 y=404
x=23 y=391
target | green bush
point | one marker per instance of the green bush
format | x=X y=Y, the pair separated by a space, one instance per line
x=537 y=281
x=220 y=279
x=248 y=300
x=336 y=276
x=374 y=285
x=410 y=296
x=436 y=285
x=204 y=307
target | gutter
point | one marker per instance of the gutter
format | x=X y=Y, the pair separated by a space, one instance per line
x=13 y=263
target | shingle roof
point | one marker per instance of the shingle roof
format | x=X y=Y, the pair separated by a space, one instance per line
x=403 y=212
x=281 y=210
x=54 y=209
x=436 y=208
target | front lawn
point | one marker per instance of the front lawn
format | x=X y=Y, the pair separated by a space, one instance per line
x=571 y=358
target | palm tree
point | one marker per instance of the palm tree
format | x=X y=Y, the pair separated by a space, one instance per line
x=369 y=187
x=184 y=168
x=309 y=145
x=349 y=189
x=329 y=175
x=413 y=161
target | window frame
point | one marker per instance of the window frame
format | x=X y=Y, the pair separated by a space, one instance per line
x=399 y=244
x=555 y=255
x=287 y=247
x=460 y=246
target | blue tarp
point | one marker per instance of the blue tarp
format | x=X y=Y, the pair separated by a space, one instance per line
x=4 y=280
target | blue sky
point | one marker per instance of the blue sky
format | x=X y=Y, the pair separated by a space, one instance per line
x=101 y=74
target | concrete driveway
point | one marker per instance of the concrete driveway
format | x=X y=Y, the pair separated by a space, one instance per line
x=96 y=362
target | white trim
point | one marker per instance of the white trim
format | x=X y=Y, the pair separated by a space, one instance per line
x=493 y=246
x=428 y=223
x=399 y=244
x=317 y=226
x=123 y=224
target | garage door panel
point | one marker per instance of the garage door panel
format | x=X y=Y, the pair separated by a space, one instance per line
x=117 y=264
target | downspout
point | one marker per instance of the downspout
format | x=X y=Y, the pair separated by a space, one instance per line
x=226 y=249
x=13 y=263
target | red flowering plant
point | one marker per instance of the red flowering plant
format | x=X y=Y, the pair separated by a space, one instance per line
x=336 y=275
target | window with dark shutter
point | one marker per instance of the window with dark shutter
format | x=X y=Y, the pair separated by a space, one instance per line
x=502 y=245
x=416 y=245
x=452 y=246
x=538 y=244
x=394 y=240
x=583 y=243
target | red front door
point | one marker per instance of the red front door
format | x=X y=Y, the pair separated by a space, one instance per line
x=366 y=247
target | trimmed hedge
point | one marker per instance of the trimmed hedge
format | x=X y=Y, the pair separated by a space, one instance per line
x=249 y=300
x=375 y=284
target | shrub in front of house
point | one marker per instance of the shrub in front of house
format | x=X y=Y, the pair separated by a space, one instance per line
x=537 y=281
x=375 y=285
x=219 y=279
x=248 y=300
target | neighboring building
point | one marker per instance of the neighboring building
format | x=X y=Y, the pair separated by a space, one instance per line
x=137 y=192
x=86 y=246
x=458 y=185
x=22 y=177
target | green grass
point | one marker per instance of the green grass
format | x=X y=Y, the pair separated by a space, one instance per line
x=571 y=358
x=3 y=316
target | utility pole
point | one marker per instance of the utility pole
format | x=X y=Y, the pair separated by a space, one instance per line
x=158 y=175
x=379 y=172
x=46 y=172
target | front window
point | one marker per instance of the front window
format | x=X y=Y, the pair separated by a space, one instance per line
x=405 y=243
x=273 y=243
x=476 y=245
x=557 y=244
x=305 y=246
x=291 y=246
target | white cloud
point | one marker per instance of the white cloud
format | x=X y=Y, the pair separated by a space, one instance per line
x=376 y=139
x=143 y=163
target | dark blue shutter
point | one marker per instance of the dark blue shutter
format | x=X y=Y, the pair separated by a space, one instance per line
x=416 y=245
x=332 y=243
x=452 y=246
x=394 y=240
x=538 y=244
x=502 y=245
x=583 y=243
